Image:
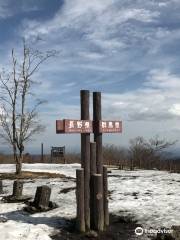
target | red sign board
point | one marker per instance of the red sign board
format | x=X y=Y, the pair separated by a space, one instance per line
x=87 y=126
x=108 y=126
x=74 y=126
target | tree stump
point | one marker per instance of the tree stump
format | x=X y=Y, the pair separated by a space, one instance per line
x=42 y=197
x=1 y=187
x=41 y=201
x=17 y=195
x=17 y=189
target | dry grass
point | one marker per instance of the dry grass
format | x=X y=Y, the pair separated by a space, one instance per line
x=30 y=175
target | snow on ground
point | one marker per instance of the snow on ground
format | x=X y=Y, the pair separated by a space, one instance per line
x=68 y=169
x=151 y=197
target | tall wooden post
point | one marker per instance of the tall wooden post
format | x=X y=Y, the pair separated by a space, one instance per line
x=80 y=223
x=99 y=158
x=85 y=156
x=93 y=169
x=98 y=136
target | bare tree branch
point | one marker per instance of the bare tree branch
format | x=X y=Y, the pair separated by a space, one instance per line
x=17 y=123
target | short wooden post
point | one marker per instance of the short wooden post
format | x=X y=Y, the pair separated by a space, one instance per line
x=92 y=171
x=85 y=156
x=17 y=189
x=98 y=217
x=80 y=221
x=42 y=197
x=1 y=186
x=105 y=191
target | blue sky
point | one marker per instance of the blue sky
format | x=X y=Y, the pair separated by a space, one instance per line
x=128 y=49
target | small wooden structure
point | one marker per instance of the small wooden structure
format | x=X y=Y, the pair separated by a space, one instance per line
x=58 y=154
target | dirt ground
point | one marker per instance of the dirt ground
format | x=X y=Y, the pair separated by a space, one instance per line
x=120 y=229
x=30 y=175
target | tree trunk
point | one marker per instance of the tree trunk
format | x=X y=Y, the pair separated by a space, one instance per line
x=18 y=168
x=15 y=156
x=19 y=160
x=132 y=164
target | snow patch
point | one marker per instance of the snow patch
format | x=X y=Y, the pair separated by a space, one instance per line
x=152 y=197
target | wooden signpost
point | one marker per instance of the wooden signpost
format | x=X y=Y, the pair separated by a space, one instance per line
x=74 y=126
x=92 y=187
x=87 y=126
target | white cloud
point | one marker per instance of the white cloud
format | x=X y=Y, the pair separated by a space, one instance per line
x=102 y=36
x=4 y=10
x=175 y=109
x=104 y=43
x=90 y=55
x=9 y=9
x=157 y=100
x=98 y=20
x=163 y=79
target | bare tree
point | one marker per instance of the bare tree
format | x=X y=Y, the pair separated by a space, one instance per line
x=138 y=151
x=157 y=144
x=157 y=147
x=18 y=122
x=148 y=153
x=115 y=155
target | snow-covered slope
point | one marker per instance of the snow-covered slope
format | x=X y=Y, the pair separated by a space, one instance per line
x=151 y=197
